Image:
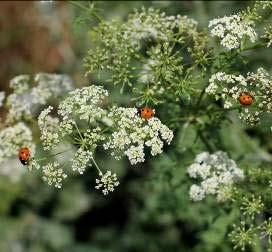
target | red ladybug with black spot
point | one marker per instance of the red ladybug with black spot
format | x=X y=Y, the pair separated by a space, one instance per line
x=24 y=155
x=146 y=113
x=246 y=99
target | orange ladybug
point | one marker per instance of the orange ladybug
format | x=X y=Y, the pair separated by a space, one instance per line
x=246 y=99
x=24 y=155
x=146 y=113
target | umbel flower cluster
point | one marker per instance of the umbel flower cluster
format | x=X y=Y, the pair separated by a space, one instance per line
x=217 y=173
x=26 y=98
x=29 y=93
x=83 y=118
x=231 y=30
x=13 y=138
x=133 y=133
x=23 y=104
x=230 y=88
x=153 y=41
x=156 y=59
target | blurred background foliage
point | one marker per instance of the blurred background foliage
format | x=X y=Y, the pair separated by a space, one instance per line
x=150 y=211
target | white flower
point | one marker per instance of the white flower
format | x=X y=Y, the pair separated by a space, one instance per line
x=210 y=185
x=53 y=175
x=231 y=30
x=151 y=24
x=196 y=193
x=131 y=133
x=27 y=97
x=224 y=193
x=20 y=105
x=202 y=157
x=230 y=87
x=92 y=137
x=216 y=172
x=80 y=160
x=49 y=127
x=33 y=164
x=50 y=85
x=268 y=35
x=193 y=169
x=20 y=83
x=196 y=169
x=107 y=182
x=85 y=103
x=135 y=154
x=13 y=138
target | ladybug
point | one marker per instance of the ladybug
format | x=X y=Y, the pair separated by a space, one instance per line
x=146 y=113
x=24 y=155
x=246 y=99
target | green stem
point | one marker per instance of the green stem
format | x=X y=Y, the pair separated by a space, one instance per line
x=228 y=109
x=81 y=6
x=58 y=153
x=258 y=46
x=79 y=132
x=96 y=166
x=200 y=97
x=204 y=140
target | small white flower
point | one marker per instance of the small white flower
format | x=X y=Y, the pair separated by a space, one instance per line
x=53 y=175
x=13 y=138
x=132 y=133
x=20 y=83
x=217 y=172
x=107 y=182
x=33 y=164
x=80 y=160
x=224 y=193
x=210 y=185
x=27 y=97
x=151 y=24
x=231 y=30
x=135 y=154
x=196 y=193
x=202 y=157
x=49 y=127
x=84 y=102
x=196 y=169
x=230 y=87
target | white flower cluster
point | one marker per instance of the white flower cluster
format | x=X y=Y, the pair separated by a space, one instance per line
x=231 y=30
x=151 y=24
x=13 y=138
x=33 y=164
x=80 y=105
x=83 y=104
x=107 y=182
x=81 y=159
x=230 y=87
x=25 y=99
x=133 y=133
x=268 y=35
x=20 y=83
x=53 y=175
x=48 y=126
x=218 y=173
x=122 y=131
